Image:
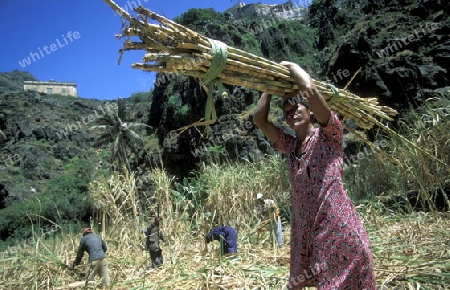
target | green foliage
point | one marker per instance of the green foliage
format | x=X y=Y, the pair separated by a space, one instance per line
x=18 y=77
x=183 y=113
x=215 y=155
x=174 y=102
x=63 y=198
x=338 y=22
x=189 y=189
x=142 y=97
x=13 y=81
x=196 y=18
x=121 y=109
x=369 y=177
x=179 y=110
x=75 y=179
x=249 y=43
x=7 y=85
x=336 y=15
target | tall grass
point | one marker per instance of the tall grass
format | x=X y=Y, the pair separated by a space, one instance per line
x=231 y=190
x=409 y=251
x=423 y=175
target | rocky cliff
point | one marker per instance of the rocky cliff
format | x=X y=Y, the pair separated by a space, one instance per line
x=398 y=51
x=287 y=10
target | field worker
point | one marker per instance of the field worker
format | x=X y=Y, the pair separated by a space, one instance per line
x=328 y=239
x=153 y=235
x=227 y=236
x=268 y=209
x=96 y=248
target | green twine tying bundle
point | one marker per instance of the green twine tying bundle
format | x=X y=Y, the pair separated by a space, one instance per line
x=219 y=59
x=335 y=92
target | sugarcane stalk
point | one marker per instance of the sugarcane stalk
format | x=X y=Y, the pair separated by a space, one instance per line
x=173 y=48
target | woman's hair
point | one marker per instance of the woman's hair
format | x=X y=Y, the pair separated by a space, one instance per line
x=295 y=100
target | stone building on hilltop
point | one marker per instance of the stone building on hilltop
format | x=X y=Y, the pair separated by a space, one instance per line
x=284 y=11
x=52 y=87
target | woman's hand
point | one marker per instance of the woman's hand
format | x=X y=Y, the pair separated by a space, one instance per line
x=301 y=77
x=309 y=92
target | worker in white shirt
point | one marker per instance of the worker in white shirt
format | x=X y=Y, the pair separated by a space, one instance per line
x=268 y=209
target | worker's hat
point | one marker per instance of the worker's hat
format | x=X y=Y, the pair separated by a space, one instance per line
x=259 y=195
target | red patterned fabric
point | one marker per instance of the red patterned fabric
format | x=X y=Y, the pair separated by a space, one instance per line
x=330 y=248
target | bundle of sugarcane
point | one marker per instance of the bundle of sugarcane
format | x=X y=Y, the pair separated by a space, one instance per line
x=173 y=48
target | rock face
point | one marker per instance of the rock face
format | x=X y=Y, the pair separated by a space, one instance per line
x=286 y=10
x=232 y=136
x=402 y=51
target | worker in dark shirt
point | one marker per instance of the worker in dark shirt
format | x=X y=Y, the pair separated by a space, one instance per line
x=153 y=235
x=96 y=248
x=227 y=236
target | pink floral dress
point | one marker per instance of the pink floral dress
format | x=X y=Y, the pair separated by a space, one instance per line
x=330 y=248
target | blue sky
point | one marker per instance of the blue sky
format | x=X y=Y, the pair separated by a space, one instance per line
x=73 y=41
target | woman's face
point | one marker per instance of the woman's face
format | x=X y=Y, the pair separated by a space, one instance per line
x=296 y=115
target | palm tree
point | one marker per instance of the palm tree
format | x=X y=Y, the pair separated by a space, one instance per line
x=2 y=136
x=121 y=136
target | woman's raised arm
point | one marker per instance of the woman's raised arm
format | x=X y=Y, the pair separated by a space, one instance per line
x=260 y=118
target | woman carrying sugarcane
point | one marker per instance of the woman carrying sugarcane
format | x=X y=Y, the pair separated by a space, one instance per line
x=330 y=248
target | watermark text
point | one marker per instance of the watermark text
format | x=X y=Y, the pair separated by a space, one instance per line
x=34 y=56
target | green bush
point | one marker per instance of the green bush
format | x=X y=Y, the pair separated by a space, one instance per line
x=142 y=97
x=63 y=199
x=196 y=18
x=183 y=113
x=174 y=102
